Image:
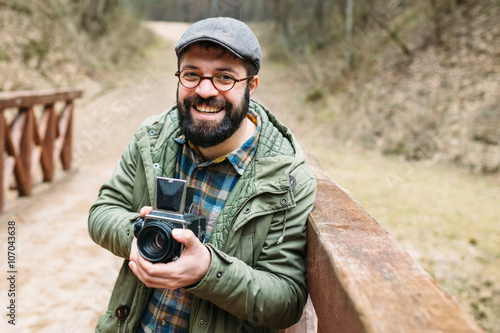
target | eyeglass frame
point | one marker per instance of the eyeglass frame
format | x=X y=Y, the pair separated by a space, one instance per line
x=211 y=79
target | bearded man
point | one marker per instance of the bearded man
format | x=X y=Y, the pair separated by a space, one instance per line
x=251 y=183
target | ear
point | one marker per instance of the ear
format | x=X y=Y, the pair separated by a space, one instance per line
x=252 y=85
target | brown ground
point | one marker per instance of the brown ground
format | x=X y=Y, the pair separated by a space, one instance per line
x=64 y=279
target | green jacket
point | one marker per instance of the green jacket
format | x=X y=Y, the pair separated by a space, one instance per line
x=254 y=283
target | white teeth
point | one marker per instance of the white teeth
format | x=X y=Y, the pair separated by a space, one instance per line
x=207 y=109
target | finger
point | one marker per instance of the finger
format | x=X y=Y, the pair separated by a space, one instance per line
x=147 y=280
x=185 y=236
x=145 y=210
x=134 y=267
x=147 y=273
x=159 y=275
x=133 y=250
x=145 y=267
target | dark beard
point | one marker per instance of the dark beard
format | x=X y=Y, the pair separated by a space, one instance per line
x=207 y=134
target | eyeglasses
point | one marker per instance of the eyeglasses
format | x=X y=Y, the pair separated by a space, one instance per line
x=222 y=81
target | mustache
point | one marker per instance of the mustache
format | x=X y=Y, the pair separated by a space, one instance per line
x=210 y=102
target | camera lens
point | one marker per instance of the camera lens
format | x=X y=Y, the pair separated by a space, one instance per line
x=159 y=240
x=155 y=242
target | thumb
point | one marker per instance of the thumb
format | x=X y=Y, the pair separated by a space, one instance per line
x=184 y=236
x=145 y=210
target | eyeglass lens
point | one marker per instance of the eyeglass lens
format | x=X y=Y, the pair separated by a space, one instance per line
x=221 y=81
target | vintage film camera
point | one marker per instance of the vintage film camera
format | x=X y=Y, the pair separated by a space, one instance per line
x=171 y=209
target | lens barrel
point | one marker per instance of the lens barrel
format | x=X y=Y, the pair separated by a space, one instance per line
x=155 y=242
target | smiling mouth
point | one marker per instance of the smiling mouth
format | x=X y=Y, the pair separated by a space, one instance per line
x=207 y=109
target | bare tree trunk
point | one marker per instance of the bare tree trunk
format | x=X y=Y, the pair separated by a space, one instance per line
x=281 y=10
x=453 y=5
x=319 y=18
x=93 y=15
x=348 y=33
x=437 y=22
x=394 y=36
x=214 y=8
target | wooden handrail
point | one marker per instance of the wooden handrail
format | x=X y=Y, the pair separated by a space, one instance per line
x=361 y=280
x=27 y=142
x=26 y=98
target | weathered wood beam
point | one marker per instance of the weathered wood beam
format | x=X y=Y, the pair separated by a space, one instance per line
x=19 y=99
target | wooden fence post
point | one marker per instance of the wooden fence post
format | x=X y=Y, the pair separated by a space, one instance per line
x=47 y=129
x=66 y=132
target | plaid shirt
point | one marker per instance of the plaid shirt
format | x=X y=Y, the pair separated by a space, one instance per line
x=169 y=310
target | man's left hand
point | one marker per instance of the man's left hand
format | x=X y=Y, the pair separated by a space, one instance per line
x=188 y=270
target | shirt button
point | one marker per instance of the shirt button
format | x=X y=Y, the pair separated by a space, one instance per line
x=152 y=132
x=219 y=275
x=202 y=322
x=163 y=322
x=156 y=165
x=283 y=201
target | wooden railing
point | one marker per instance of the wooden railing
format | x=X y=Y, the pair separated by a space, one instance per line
x=33 y=133
x=361 y=280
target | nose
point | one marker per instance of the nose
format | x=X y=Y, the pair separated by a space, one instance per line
x=206 y=89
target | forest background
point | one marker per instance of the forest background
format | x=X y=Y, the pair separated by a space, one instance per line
x=417 y=82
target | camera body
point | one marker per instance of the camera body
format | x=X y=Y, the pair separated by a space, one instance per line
x=171 y=209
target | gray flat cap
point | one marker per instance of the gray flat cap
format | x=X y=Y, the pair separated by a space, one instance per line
x=231 y=34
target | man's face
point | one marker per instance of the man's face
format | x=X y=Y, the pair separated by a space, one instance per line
x=209 y=117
